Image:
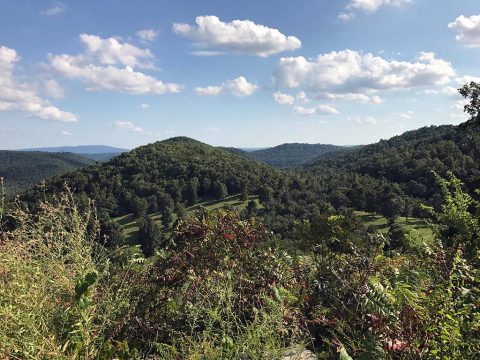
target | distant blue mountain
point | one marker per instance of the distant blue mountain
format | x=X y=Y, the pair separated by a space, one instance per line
x=81 y=149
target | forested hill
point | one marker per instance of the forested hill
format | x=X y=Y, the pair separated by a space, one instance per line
x=293 y=155
x=409 y=159
x=165 y=174
x=23 y=169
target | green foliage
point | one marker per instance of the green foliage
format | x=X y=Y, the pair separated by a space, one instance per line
x=471 y=92
x=58 y=298
x=293 y=155
x=23 y=169
x=149 y=235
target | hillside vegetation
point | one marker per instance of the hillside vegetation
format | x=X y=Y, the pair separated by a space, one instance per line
x=226 y=288
x=293 y=155
x=23 y=169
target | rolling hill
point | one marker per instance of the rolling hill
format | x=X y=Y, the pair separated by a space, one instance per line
x=94 y=152
x=408 y=160
x=293 y=155
x=23 y=169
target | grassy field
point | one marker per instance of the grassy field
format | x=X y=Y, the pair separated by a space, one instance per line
x=417 y=227
x=129 y=222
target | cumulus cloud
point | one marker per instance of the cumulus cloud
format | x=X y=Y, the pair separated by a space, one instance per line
x=367 y=6
x=108 y=64
x=467 y=79
x=15 y=95
x=127 y=125
x=316 y=110
x=239 y=87
x=467 y=29
x=374 y=5
x=147 y=35
x=352 y=72
x=53 y=89
x=110 y=51
x=283 y=99
x=298 y=101
x=238 y=36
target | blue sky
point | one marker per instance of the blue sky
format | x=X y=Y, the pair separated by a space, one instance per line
x=233 y=73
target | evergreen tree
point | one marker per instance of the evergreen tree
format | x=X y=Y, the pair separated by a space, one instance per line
x=221 y=191
x=244 y=194
x=149 y=234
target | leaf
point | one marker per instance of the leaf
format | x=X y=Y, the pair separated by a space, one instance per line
x=344 y=355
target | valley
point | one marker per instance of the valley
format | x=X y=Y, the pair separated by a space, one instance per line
x=213 y=180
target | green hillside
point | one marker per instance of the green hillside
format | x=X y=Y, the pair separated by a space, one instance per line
x=293 y=155
x=23 y=169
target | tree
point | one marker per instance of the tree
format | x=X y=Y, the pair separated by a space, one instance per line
x=251 y=208
x=221 y=191
x=191 y=192
x=167 y=217
x=149 y=234
x=471 y=92
x=139 y=206
x=244 y=194
x=180 y=210
x=152 y=203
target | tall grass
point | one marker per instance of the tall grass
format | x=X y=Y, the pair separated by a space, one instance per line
x=43 y=263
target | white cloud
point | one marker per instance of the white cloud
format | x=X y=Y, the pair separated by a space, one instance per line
x=346 y=16
x=239 y=87
x=457 y=110
x=53 y=89
x=362 y=98
x=317 y=110
x=144 y=106
x=302 y=97
x=283 y=99
x=22 y=96
x=66 y=133
x=110 y=51
x=206 y=53
x=128 y=125
x=467 y=79
x=467 y=29
x=209 y=90
x=369 y=120
x=55 y=10
x=407 y=115
x=373 y=5
x=238 y=36
x=450 y=91
x=367 y=6
x=97 y=67
x=147 y=35
x=349 y=71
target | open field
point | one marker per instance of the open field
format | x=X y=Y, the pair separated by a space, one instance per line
x=417 y=227
x=129 y=222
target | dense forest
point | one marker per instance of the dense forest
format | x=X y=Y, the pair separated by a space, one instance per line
x=23 y=169
x=292 y=272
x=293 y=155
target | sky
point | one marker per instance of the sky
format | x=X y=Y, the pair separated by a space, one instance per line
x=232 y=73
